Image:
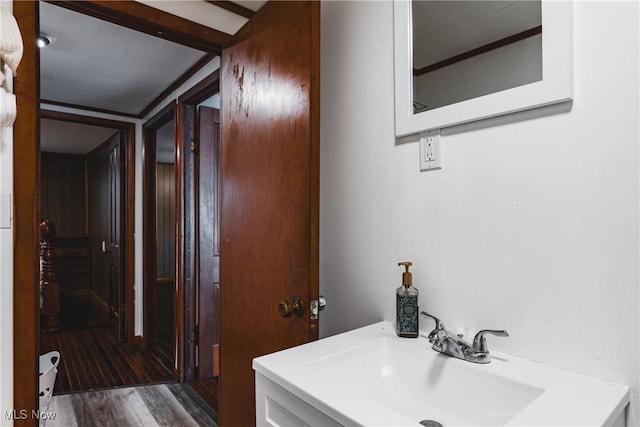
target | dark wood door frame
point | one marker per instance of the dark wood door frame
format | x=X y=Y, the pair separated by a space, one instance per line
x=26 y=150
x=188 y=132
x=151 y=21
x=127 y=137
x=149 y=247
x=26 y=194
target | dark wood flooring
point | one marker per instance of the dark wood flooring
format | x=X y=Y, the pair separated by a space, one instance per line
x=208 y=391
x=91 y=358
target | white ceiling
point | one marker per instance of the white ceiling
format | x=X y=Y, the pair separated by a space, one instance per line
x=443 y=29
x=71 y=138
x=101 y=65
x=205 y=13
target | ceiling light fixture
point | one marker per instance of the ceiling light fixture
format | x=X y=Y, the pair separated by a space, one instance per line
x=43 y=40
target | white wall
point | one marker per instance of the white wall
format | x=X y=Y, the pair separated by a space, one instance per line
x=531 y=226
x=6 y=264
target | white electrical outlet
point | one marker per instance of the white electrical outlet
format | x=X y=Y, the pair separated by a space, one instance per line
x=430 y=155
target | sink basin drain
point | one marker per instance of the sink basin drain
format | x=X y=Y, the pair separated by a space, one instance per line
x=430 y=423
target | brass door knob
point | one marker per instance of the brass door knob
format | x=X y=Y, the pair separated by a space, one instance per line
x=287 y=308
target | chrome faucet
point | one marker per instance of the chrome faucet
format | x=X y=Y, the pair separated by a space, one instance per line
x=447 y=343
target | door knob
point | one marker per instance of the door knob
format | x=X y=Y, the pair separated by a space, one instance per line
x=287 y=308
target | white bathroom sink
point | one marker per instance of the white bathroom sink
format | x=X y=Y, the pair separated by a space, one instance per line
x=371 y=377
x=424 y=385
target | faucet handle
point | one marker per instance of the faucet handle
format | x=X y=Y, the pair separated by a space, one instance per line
x=439 y=324
x=480 y=342
x=434 y=335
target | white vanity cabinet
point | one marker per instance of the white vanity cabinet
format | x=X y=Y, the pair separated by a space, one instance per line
x=276 y=406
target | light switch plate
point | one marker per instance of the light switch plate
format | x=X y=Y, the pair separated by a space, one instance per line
x=5 y=210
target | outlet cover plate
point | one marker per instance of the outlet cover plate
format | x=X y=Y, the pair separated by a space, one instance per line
x=430 y=153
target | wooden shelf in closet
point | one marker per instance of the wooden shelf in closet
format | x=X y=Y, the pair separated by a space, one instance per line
x=72 y=262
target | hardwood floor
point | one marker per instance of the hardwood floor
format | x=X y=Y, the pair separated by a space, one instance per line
x=154 y=405
x=91 y=358
x=208 y=391
x=95 y=372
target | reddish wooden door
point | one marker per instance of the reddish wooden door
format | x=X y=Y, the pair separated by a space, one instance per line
x=269 y=206
x=115 y=207
x=209 y=243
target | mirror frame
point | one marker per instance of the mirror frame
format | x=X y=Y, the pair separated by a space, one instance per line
x=555 y=86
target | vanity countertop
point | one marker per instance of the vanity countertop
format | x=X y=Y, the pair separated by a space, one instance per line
x=367 y=377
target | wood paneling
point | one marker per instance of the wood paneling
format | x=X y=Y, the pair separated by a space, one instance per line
x=165 y=219
x=63 y=192
x=98 y=219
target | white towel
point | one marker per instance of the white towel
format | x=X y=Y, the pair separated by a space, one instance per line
x=7 y=109
x=10 y=39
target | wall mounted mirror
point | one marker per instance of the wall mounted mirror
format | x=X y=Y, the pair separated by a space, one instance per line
x=460 y=61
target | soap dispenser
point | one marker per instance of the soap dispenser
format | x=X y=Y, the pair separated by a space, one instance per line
x=406 y=305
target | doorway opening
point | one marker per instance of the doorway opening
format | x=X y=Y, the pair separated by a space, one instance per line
x=26 y=163
x=104 y=51
x=87 y=193
x=160 y=209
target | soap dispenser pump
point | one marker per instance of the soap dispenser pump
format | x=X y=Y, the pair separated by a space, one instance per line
x=406 y=305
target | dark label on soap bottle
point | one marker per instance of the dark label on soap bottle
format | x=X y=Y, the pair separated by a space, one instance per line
x=407 y=316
